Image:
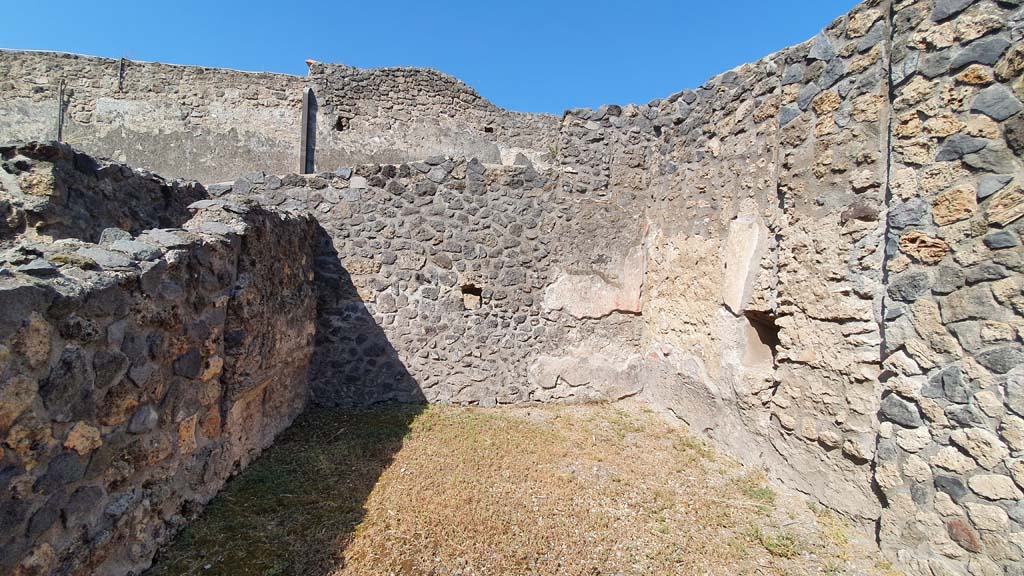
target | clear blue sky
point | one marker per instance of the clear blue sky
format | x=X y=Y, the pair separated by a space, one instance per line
x=528 y=55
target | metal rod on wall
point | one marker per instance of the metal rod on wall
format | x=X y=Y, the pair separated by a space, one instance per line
x=304 y=136
x=60 y=111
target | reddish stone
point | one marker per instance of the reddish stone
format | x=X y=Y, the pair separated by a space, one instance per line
x=964 y=535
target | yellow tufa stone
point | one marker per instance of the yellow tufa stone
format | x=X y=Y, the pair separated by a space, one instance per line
x=768 y=110
x=976 y=75
x=970 y=27
x=1011 y=65
x=187 y=435
x=38 y=182
x=907 y=126
x=1006 y=206
x=942 y=126
x=958 y=204
x=868 y=107
x=29 y=441
x=923 y=248
x=16 y=396
x=33 y=342
x=826 y=102
x=861 y=22
x=83 y=438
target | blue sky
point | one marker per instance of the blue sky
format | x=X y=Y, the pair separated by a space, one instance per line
x=527 y=55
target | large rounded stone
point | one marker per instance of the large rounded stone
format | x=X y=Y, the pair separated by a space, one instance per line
x=901 y=411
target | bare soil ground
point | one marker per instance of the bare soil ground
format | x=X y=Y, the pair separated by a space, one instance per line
x=560 y=490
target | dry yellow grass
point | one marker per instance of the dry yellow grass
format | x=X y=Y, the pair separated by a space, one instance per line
x=582 y=490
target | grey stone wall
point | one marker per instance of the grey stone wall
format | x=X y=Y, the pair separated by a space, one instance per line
x=950 y=446
x=395 y=115
x=814 y=260
x=180 y=121
x=53 y=191
x=430 y=279
x=213 y=124
x=138 y=374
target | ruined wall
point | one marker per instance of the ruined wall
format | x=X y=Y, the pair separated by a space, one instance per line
x=430 y=279
x=72 y=195
x=180 y=121
x=814 y=260
x=136 y=375
x=762 y=194
x=833 y=268
x=211 y=124
x=949 y=450
x=395 y=115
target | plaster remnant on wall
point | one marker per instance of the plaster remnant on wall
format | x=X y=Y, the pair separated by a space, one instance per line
x=744 y=246
x=596 y=295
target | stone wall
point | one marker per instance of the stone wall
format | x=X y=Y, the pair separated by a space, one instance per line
x=814 y=260
x=833 y=267
x=180 y=121
x=949 y=450
x=53 y=192
x=211 y=124
x=395 y=115
x=430 y=279
x=138 y=374
x=763 y=198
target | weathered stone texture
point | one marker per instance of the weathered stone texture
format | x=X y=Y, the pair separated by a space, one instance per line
x=395 y=115
x=53 y=192
x=814 y=260
x=136 y=388
x=962 y=333
x=222 y=123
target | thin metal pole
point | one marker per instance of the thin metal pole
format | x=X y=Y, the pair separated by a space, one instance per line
x=60 y=111
x=304 y=136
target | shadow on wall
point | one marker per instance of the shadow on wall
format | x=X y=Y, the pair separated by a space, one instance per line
x=353 y=362
x=297 y=507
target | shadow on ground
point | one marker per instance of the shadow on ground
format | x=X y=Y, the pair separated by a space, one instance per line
x=296 y=508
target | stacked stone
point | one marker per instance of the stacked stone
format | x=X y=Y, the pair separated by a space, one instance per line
x=218 y=122
x=950 y=444
x=606 y=152
x=224 y=122
x=138 y=373
x=815 y=258
x=50 y=191
x=399 y=115
x=394 y=251
x=832 y=132
x=428 y=277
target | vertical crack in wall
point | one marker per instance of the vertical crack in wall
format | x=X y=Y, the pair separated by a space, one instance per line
x=886 y=254
x=775 y=226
